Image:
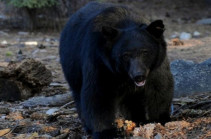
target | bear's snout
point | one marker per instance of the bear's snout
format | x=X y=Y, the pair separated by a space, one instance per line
x=139 y=79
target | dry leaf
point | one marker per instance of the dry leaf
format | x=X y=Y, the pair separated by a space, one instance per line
x=15 y=116
x=4 y=131
x=130 y=125
x=136 y=132
x=177 y=125
x=4 y=64
x=66 y=130
x=33 y=135
x=48 y=129
x=176 y=42
x=119 y=122
x=148 y=129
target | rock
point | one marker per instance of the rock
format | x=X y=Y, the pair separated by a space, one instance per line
x=43 y=51
x=2 y=33
x=3 y=117
x=196 y=34
x=185 y=36
x=4 y=110
x=55 y=84
x=34 y=53
x=47 y=39
x=4 y=42
x=20 y=55
x=49 y=58
x=205 y=21
x=52 y=111
x=158 y=136
x=3 y=17
x=31 y=43
x=23 y=33
x=175 y=35
x=191 y=78
x=73 y=109
x=41 y=46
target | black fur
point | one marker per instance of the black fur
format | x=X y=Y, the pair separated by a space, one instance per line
x=105 y=49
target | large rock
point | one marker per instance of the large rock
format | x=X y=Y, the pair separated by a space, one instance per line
x=191 y=78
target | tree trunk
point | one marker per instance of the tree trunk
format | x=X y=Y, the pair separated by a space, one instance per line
x=29 y=19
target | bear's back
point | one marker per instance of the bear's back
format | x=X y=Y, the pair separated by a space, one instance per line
x=104 y=14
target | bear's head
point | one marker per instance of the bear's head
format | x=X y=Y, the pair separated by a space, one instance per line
x=135 y=51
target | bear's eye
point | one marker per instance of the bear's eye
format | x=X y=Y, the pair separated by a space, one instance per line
x=126 y=56
x=144 y=52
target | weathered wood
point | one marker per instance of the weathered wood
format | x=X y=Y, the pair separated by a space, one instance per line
x=23 y=80
x=57 y=100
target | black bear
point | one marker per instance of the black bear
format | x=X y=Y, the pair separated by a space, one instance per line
x=116 y=62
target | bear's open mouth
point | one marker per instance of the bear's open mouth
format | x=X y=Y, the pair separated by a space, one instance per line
x=142 y=83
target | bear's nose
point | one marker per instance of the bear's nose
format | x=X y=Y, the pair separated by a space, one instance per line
x=139 y=78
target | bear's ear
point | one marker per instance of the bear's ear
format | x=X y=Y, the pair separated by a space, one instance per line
x=156 y=28
x=110 y=33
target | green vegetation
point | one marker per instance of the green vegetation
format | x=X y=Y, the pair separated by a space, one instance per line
x=32 y=3
x=30 y=9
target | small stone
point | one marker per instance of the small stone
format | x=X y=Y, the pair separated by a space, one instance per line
x=185 y=36
x=175 y=35
x=31 y=43
x=158 y=136
x=58 y=59
x=2 y=33
x=205 y=21
x=3 y=17
x=4 y=110
x=196 y=34
x=20 y=52
x=47 y=39
x=3 y=116
x=4 y=42
x=23 y=33
x=45 y=136
x=50 y=58
x=73 y=109
x=41 y=46
x=43 y=51
x=35 y=52
x=56 y=84
x=52 y=111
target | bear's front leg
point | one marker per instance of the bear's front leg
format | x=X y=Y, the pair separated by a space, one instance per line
x=98 y=112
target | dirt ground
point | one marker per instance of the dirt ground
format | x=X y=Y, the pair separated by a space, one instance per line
x=180 y=16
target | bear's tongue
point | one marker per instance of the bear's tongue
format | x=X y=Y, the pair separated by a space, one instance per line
x=139 y=84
